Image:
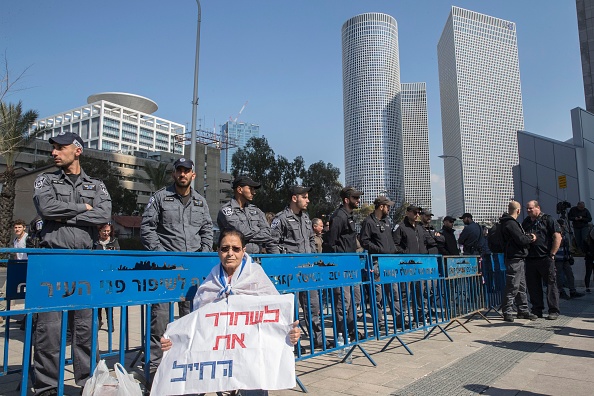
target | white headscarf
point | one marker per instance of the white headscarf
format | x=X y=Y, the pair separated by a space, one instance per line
x=249 y=278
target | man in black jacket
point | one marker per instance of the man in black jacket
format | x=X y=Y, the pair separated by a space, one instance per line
x=516 y=249
x=540 y=262
x=450 y=246
x=342 y=238
x=434 y=239
x=410 y=237
x=580 y=217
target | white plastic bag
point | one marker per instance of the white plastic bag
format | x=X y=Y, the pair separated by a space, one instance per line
x=103 y=384
x=127 y=385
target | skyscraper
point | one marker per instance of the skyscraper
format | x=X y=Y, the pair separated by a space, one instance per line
x=481 y=111
x=371 y=96
x=239 y=133
x=415 y=142
x=585 y=18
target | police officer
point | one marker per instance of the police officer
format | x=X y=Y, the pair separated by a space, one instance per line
x=245 y=217
x=540 y=263
x=434 y=238
x=296 y=235
x=342 y=238
x=176 y=219
x=72 y=205
x=376 y=238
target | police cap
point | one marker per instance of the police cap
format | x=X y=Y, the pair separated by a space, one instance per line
x=66 y=138
x=243 y=180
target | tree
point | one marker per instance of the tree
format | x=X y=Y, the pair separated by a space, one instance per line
x=324 y=196
x=276 y=174
x=14 y=134
x=159 y=176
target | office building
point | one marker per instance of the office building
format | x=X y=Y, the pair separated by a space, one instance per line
x=237 y=135
x=585 y=18
x=415 y=143
x=118 y=122
x=552 y=171
x=371 y=101
x=481 y=112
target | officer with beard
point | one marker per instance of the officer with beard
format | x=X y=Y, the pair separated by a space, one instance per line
x=342 y=238
x=176 y=219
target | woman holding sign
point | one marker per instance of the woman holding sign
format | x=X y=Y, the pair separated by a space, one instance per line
x=235 y=275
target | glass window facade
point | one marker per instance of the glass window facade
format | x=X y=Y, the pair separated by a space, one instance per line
x=372 y=109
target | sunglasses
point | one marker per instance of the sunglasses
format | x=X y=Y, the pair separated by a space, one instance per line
x=225 y=249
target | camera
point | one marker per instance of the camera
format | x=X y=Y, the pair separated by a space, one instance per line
x=562 y=207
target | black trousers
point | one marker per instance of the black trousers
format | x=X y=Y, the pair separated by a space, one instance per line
x=515 y=287
x=539 y=270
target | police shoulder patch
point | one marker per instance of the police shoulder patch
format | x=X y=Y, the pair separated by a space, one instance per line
x=38 y=182
x=275 y=223
x=227 y=211
x=103 y=188
x=150 y=202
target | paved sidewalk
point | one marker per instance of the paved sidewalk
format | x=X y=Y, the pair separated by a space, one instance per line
x=521 y=358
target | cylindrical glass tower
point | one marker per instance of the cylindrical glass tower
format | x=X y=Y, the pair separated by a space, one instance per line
x=372 y=113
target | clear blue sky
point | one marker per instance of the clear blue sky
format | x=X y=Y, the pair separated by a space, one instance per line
x=284 y=57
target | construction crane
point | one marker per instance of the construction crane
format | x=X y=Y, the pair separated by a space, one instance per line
x=240 y=111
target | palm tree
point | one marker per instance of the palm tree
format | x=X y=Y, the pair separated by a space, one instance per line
x=159 y=176
x=14 y=134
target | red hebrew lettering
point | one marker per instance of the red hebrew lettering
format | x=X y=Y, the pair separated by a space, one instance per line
x=237 y=314
x=230 y=314
x=256 y=317
x=239 y=340
x=227 y=339
x=215 y=315
x=276 y=313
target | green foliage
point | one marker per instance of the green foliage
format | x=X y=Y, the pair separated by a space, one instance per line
x=362 y=212
x=324 y=196
x=277 y=173
x=14 y=134
x=159 y=175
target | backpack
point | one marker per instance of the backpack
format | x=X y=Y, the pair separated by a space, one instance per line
x=495 y=239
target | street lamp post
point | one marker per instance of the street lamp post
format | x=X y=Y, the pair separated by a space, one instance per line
x=195 y=97
x=461 y=177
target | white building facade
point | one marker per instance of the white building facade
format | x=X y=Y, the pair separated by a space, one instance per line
x=372 y=110
x=481 y=112
x=415 y=143
x=118 y=122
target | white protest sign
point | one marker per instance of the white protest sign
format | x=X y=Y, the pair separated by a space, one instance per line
x=238 y=343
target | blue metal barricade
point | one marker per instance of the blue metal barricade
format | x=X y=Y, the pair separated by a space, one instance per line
x=494 y=284
x=68 y=280
x=345 y=280
x=464 y=285
x=362 y=297
x=411 y=296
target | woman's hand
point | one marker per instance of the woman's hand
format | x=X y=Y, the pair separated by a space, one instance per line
x=166 y=344
x=295 y=333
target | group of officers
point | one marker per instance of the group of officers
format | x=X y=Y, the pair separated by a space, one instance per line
x=73 y=204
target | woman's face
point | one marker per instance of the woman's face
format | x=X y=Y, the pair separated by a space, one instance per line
x=104 y=233
x=231 y=253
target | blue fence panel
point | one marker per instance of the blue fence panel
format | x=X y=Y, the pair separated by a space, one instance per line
x=410 y=292
x=327 y=286
x=494 y=275
x=464 y=287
